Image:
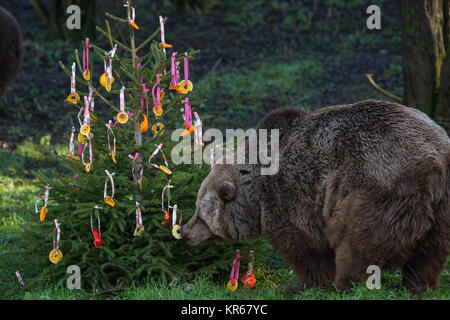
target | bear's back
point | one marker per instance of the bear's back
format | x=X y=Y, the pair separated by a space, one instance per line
x=373 y=141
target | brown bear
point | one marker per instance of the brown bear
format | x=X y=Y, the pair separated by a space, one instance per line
x=358 y=185
x=10 y=49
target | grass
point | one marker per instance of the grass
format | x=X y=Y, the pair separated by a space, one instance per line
x=270 y=285
x=17 y=198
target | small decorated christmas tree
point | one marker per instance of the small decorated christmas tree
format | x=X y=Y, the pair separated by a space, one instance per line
x=116 y=212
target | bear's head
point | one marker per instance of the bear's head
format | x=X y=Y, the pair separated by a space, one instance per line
x=226 y=206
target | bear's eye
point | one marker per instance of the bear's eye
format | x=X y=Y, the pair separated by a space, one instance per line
x=227 y=190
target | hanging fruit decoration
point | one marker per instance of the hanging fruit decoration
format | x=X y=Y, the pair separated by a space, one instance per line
x=248 y=280
x=165 y=168
x=109 y=199
x=176 y=227
x=187 y=119
x=73 y=97
x=185 y=85
x=56 y=255
x=122 y=116
x=86 y=72
x=157 y=106
x=107 y=79
x=87 y=165
x=96 y=233
x=131 y=17
x=198 y=134
x=111 y=153
x=139 y=225
x=234 y=276
x=136 y=160
x=167 y=220
x=43 y=212
x=158 y=128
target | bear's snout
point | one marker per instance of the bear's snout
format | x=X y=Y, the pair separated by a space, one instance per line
x=195 y=231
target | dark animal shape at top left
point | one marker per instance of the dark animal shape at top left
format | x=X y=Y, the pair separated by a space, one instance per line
x=10 y=49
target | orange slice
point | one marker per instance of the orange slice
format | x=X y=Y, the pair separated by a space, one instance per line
x=134 y=25
x=44 y=211
x=86 y=75
x=144 y=124
x=165 y=169
x=113 y=157
x=104 y=79
x=110 y=201
x=165 y=45
x=188 y=131
x=122 y=117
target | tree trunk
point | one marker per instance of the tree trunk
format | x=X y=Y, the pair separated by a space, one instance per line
x=426 y=67
x=443 y=100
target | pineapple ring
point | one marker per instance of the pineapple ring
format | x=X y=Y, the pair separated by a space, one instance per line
x=176 y=232
x=55 y=256
x=182 y=88
x=85 y=129
x=73 y=98
x=232 y=287
x=158 y=128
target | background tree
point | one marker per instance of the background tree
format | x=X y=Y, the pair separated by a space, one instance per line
x=426 y=58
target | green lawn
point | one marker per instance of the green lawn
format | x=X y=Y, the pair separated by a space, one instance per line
x=17 y=198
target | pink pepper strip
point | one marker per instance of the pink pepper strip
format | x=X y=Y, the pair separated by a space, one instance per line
x=156 y=98
x=186 y=71
x=187 y=113
x=236 y=263
x=173 y=70
x=19 y=278
x=86 y=56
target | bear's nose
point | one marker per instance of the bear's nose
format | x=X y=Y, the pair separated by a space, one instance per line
x=181 y=232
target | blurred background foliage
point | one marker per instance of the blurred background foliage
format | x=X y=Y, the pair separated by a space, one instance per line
x=254 y=56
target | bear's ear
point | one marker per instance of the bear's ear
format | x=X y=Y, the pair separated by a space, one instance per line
x=227 y=190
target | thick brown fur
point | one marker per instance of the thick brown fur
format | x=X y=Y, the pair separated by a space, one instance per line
x=10 y=49
x=358 y=185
